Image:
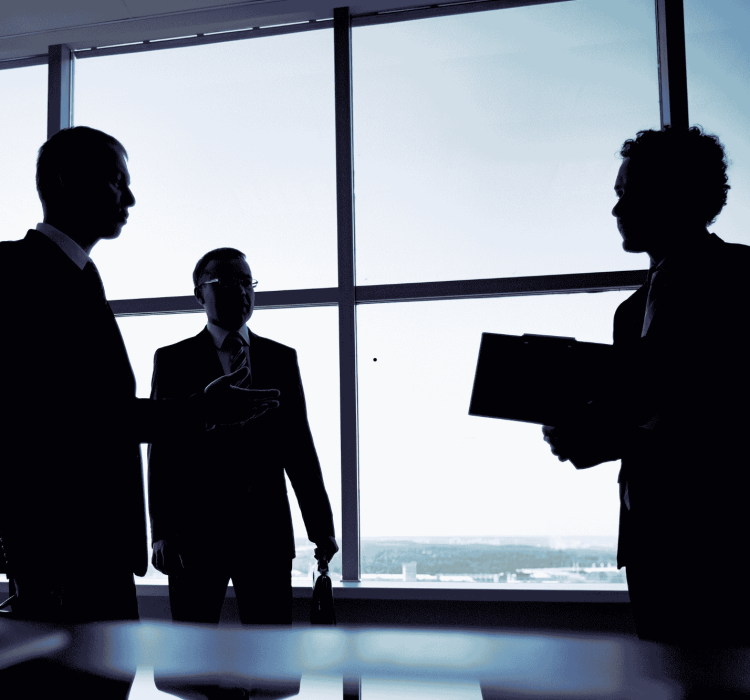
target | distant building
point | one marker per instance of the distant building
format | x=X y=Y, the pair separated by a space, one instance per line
x=410 y=571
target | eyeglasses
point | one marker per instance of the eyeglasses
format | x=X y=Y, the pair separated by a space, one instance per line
x=233 y=282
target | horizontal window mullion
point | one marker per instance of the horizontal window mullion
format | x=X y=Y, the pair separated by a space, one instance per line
x=506 y=286
x=418 y=291
x=283 y=299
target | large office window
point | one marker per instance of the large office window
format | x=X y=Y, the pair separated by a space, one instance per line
x=23 y=128
x=314 y=334
x=229 y=145
x=717 y=51
x=485 y=143
x=485 y=147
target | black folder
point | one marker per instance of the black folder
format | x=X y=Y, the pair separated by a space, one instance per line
x=538 y=378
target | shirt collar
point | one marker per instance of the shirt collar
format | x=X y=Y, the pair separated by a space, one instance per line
x=66 y=243
x=219 y=334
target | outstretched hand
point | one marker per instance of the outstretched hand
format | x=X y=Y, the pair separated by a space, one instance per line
x=229 y=404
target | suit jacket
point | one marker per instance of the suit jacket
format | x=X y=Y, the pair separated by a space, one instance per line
x=72 y=497
x=688 y=375
x=223 y=491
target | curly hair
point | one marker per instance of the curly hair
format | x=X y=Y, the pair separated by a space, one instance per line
x=219 y=255
x=691 y=159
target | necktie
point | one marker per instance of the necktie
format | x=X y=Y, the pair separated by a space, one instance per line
x=236 y=348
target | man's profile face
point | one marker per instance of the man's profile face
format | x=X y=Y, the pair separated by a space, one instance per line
x=637 y=210
x=115 y=196
x=229 y=307
x=98 y=195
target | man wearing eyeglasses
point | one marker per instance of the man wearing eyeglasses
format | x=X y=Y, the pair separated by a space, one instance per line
x=218 y=502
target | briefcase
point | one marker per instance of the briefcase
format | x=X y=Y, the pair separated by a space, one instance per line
x=538 y=378
x=322 y=611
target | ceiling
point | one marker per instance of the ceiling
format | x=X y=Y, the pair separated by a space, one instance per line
x=29 y=27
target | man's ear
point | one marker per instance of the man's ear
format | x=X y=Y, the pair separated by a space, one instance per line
x=199 y=296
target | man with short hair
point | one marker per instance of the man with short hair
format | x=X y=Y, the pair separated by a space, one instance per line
x=678 y=417
x=218 y=501
x=72 y=513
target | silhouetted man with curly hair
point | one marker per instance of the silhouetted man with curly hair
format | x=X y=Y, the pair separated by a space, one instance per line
x=677 y=413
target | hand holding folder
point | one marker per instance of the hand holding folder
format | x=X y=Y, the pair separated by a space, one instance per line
x=552 y=381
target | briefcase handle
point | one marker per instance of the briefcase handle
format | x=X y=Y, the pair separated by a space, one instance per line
x=322 y=565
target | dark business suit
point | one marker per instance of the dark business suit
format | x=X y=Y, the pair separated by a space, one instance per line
x=686 y=526
x=67 y=375
x=221 y=499
x=72 y=507
x=72 y=501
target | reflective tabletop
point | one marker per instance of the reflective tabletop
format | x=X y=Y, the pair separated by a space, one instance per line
x=270 y=662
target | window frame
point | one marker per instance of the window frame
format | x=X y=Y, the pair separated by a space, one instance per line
x=348 y=295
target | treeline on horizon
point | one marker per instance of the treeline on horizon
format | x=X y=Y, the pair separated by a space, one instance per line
x=388 y=557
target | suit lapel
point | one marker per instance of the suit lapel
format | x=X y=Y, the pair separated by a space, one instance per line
x=678 y=292
x=205 y=359
x=258 y=363
x=629 y=320
x=263 y=364
x=98 y=324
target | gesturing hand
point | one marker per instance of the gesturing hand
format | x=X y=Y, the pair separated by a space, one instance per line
x=228 y=404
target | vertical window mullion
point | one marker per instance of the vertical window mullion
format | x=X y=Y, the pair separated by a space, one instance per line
x=670 y=47
x=60 y=88
x=350 y=555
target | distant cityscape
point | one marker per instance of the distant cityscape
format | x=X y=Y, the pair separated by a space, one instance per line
x=546 y=560
x=550 y=560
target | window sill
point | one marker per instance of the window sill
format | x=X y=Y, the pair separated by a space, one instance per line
x=448 y=591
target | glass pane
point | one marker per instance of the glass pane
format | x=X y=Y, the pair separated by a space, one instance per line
x=485 y=144
x=717 y=50
x=313 y=333
x=229 y=145
x=449 y=496
x=23 y=124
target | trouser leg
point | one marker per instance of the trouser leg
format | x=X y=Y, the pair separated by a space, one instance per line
x=195 y=596
x=264 y=597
